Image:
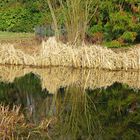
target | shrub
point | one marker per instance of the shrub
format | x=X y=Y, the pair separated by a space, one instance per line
x=23 y=16
x=129 y=36
x=113 y=44
x=119 y=20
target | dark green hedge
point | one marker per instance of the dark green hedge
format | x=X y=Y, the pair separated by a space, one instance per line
x=23 y=15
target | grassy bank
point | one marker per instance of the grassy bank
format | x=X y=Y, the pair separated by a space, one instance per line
x=27 y=42
x=12 y=35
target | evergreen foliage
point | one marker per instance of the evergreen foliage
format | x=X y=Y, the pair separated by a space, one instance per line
x=116 y=22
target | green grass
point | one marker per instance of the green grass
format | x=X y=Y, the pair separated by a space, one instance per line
x=13 y=35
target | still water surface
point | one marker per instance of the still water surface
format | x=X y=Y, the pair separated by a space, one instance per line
x=87 y=104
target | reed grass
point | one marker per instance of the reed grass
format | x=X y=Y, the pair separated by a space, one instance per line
x=54 y=53
x=9 y=121
x=10 y=55
x=54 y=19
x=13 y=124
x=59 y=54
x=76 y=15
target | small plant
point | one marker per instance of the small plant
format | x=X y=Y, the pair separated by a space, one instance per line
x=129 y=36
x=113 y=44
x=97 y=38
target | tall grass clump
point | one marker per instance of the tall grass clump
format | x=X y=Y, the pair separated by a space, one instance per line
x=54 y=19
x=76 y=17
x=10 y=55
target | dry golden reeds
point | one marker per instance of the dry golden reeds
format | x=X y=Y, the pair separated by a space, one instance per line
x=13 y=124
x=10 y=119
x=55 y=53
x=10 y=55
x=58 y=54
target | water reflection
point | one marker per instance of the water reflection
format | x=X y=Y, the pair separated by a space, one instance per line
x=85 y=78
x=81 y=112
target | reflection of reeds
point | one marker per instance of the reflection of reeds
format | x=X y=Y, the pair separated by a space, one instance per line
x=56 y=77
x=53 y=53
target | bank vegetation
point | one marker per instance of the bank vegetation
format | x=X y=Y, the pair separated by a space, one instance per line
x=74 y=51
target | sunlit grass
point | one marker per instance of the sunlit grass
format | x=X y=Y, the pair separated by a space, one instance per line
x=12 y=35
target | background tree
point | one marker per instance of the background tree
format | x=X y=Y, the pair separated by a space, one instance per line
x=111 y=23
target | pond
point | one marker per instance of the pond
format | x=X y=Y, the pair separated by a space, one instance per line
x=83 y=104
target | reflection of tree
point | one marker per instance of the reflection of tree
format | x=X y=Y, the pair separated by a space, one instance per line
x=76 y=114
x=29 y=88
x=111 y=113
x=118 y=116
x=26 y=91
